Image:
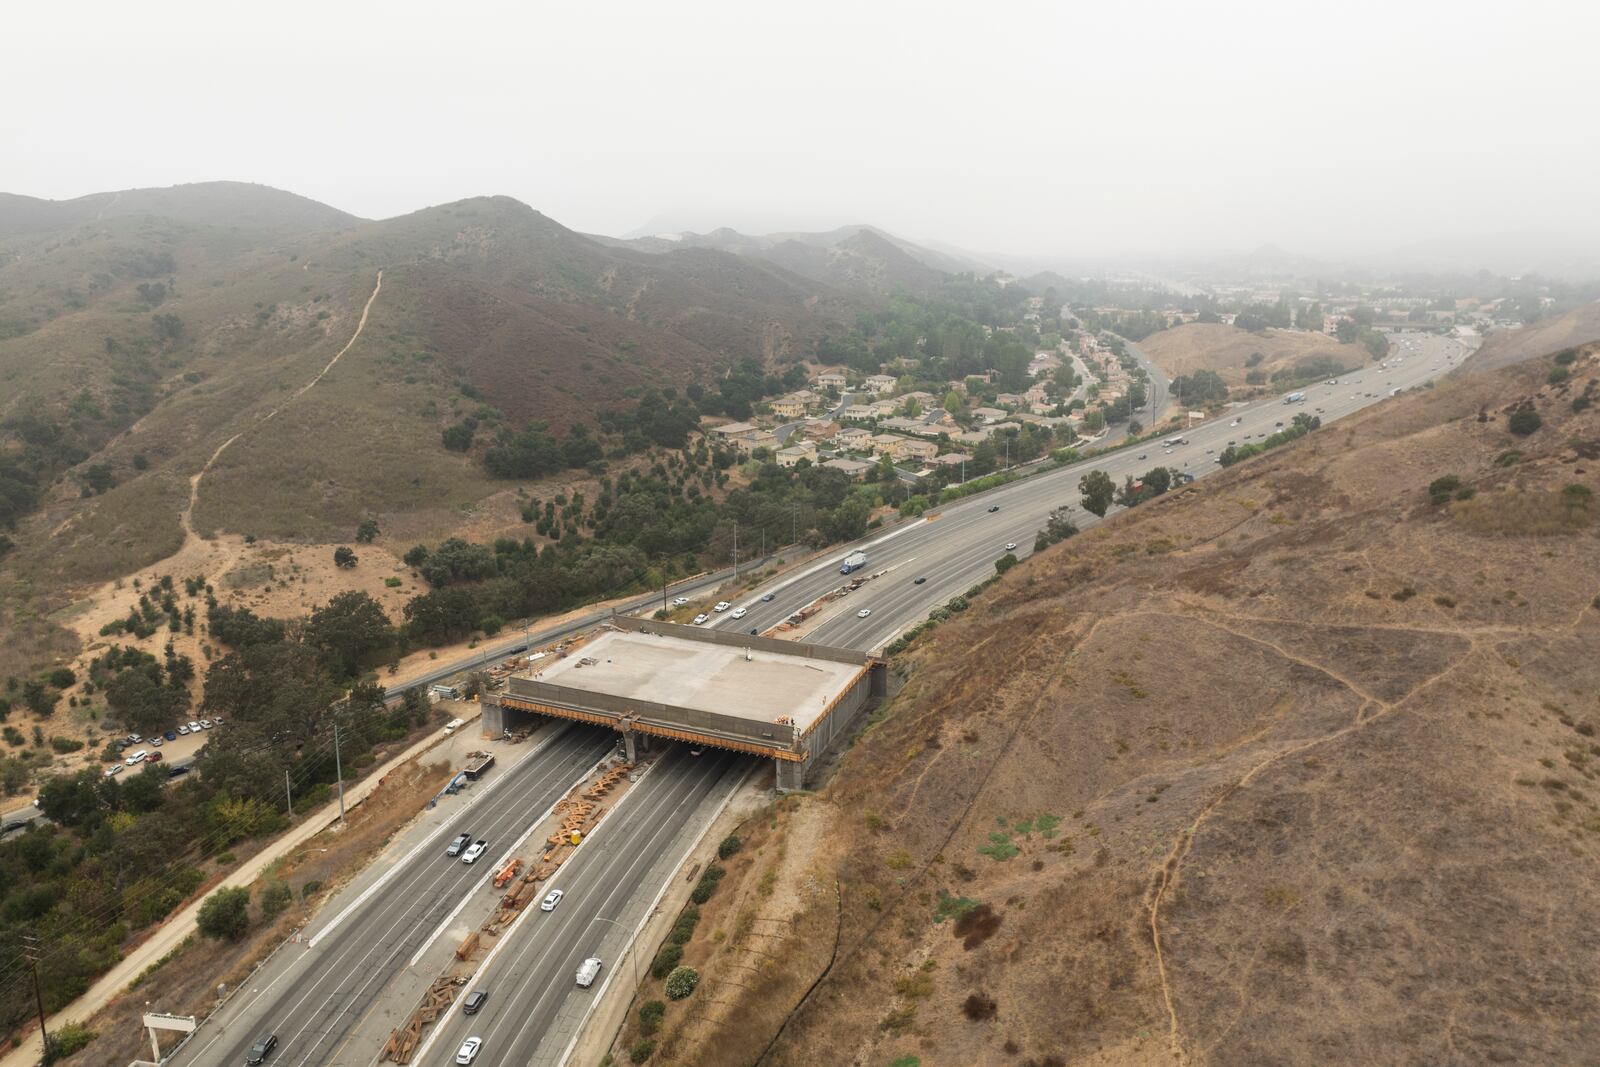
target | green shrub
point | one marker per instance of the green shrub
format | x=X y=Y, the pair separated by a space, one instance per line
x=275 y=898
x=642 y=1050
x=650 y=1015
x=61 y=677
x=665 y=960
x=1524 y=421
x=66 y=1040
x=681 y=982
x=309 y=888
x=225 y=915
x=1439 y=489
x=1566 y=357
x=683 y=929
x=729 y=846
x=1557 y=375
x=64 y=745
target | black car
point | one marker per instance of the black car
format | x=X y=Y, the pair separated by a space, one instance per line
x=474 y=1001
x=919 y=581
x=261 y=1049
x=458 y=844
x=994 y=507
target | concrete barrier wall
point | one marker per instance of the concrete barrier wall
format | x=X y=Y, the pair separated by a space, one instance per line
x=671 y=716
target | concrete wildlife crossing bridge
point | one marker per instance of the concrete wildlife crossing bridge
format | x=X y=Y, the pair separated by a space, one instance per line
x=784 y=700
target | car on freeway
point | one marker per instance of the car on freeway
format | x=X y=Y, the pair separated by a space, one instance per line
x=474 y=850
x=701 y=619
x=261 y=1050
x=1235 y=422
x=1333 y=381
x=680 y=601
x=154 y=757
x=588 y=971
x=113 y=770
x=461 y=842
x=722 y=605
x=738 y=613
x=1278 y=423
x=551 y=899
x=768 y=598
x=1011 y=546
x=1209 y=451
x=469 y=1050
x=475 y=1000
x=863 y=613
x=137 y=758
x=1144 y=455
x=993 y=508
x=919 y=579
x=171 y=735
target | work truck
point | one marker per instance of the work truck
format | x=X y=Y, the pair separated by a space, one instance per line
x=853 y=562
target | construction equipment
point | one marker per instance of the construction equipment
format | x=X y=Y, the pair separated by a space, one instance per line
x=435 y=1002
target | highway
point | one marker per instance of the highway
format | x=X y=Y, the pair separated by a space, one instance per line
x=955 y=546
x=313 y=994
x=535 y=1005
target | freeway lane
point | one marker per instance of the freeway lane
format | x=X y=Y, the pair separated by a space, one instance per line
x=312 y=996
x=957 y=549
x=534 y=1003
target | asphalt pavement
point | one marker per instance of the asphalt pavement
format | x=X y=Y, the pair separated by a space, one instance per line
x=313 y=993
x=535 y=1005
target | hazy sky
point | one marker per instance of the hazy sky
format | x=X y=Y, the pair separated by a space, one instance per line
x=1046 y=128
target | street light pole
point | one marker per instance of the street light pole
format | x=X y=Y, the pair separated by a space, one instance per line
x=633 y=954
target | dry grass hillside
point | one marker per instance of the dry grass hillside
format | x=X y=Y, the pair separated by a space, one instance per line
x=1228 y=350
x=1501 y=348
x=1293 y=767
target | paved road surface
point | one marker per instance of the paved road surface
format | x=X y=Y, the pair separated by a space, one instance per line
x=314 y=993
x=534 y=1001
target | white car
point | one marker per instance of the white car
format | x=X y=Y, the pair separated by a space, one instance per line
x=469 y=1050
x=194 y=728
x=137 y=758
x=1333 y=381
x=551 y=899
x=701 y=619
x=473 y=851
x=183 y=730
x=589 y=971
x=863 y=613
x=680 y=601
x=738 y=613
x=1011 y=546
x=113 y=770
x=205 y=724
x=722 y=605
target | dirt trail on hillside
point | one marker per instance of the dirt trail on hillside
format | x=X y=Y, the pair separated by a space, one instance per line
x=189 y=535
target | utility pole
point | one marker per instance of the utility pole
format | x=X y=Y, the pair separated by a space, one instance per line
x=30 y=949
x=736 y=550
x=338 y=769
x=288 y=794
x=795 y=536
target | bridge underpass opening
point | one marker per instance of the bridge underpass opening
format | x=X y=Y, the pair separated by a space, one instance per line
x=784 y=700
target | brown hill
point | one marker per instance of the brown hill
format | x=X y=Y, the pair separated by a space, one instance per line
x=141 y=344
x=1502 y=348
x=223 y=204
x=1292 y=767
x=1229 y=350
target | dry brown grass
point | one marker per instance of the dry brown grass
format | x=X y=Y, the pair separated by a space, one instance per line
x=1528 y=512
x=1286 y=761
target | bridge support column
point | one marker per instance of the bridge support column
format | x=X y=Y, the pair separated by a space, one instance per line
x=630 y=746
x=791 y=775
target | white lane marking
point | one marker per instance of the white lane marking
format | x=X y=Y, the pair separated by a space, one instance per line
x=631 y=943
x=510 y=934
x=376 y=972
x=495 y=868
x=623 y=884
x=427 y=842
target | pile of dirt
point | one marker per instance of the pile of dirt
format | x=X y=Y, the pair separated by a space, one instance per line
x=1295 y=766
x=1233 y=352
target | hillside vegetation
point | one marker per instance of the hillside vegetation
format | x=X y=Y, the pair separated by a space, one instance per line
x=1502 y=348
x=1241 y=357
x=1295 y=766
